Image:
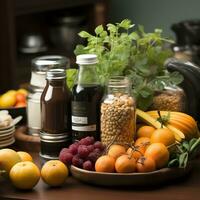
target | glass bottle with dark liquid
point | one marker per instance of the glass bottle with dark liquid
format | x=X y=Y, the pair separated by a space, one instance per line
x=86 y=97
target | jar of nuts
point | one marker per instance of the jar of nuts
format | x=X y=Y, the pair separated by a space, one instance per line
x=118 y=118
x=172 y=98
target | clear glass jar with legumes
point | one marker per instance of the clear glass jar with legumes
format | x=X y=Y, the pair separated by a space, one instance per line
x=118 y=118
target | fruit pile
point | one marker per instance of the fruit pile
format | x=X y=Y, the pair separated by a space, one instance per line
x=83 y=153
x=13 y=98
x=25 y=174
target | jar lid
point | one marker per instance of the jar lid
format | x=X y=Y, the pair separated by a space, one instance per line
x=86 y=59
x=44 y=63
x=53 y=74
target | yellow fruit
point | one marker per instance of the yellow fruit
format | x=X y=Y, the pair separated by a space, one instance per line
x=11 y=92
x=8 y=158
x=7 y=100
x=24 y=175
x=25 y=156
x=54 y=173
x=23 y=91
x=116 y=150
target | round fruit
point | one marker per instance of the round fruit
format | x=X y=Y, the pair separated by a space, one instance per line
x=25 y=156
x=20 y=105
x=125 y=164
x=159 y=153
x=142 y=143
x=20 y=97
x=7 y=100
x=54 y=173
x=8 y=158
x=145 y=131
x=24 y=175
x=23 y=91
x=116 y=150
x=146 y=164
x=134 y=152
x=105 y=163
x=163 y=135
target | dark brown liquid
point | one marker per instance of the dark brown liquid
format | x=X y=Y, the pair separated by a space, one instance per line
x=55 y=107
x=86 y=104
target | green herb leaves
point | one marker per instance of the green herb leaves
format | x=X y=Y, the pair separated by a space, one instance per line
x=136 y=54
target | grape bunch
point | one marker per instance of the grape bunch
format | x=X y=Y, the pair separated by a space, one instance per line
x=83 y=153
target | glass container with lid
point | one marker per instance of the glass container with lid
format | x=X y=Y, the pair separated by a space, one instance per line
x=118 y=118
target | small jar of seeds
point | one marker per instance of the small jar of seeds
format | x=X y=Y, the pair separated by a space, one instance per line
x=118 y=118
x=172 y=98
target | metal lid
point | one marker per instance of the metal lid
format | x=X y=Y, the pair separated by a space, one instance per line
x=53 y=74
x=44 y=63
x=46 y=137
x=86 y=59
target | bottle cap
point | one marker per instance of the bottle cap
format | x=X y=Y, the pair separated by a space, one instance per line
x=56 y=74
x=86 y=59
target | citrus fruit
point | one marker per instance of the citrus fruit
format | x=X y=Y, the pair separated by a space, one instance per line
x=25 y=156
x=8 y=158
x=145 y=131
x=142 y=143
x=24 y=175
x=20 y=97
x=22 y=91
x=159 y=153
x=134 y=152
x=125 y=164
x=145 y=164
x=20 y=105
x=54 y=173
x=116 y=150
x=105 y=163
x=163 y=135
x=7 y=100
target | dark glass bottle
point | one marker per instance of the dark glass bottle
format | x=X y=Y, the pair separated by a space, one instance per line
x=55 y=103
x=86 y=97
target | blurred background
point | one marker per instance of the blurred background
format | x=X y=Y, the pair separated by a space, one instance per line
x=33 y=28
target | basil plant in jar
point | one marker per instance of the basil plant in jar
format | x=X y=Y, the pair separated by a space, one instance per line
x=124 y=49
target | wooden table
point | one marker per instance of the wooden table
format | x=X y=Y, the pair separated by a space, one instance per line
x=184 y=189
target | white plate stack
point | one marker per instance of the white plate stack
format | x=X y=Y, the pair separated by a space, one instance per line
x=7 y=136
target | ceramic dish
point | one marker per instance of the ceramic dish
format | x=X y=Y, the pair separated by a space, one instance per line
x=4 y=131
x=130 y=179
x=14 y=122
x=7 y=143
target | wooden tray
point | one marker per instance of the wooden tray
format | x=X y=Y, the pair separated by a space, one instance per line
x=130 y=179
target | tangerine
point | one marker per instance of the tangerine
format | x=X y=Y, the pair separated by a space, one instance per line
x=142 y=143
x=125 y=164
x=25 y=156
x=159 y=153
x=145 y=131
x=145 y=164
x=116 y=150
x=105 y=163
x=163 y=135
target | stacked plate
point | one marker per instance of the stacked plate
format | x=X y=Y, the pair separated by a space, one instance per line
x=7 y=136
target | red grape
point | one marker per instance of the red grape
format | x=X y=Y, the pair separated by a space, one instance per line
x=87 y=140
x=87 y=165
x=65 y=156
x=98 y=145
x=73 y=148
x=77 y=161
x=83 y=151
x=93 y=157
x=90 y=148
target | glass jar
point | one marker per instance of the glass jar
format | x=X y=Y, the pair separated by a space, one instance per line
x=118 y=118
x=86 y=98
x=40 y=65
x=172 y=98
x=55 y=103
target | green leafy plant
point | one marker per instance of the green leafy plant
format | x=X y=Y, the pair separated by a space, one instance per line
x=184 y=152
x=136 y=54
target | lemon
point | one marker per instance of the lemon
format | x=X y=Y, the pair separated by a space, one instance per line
x=7 y=100
x=23 y=91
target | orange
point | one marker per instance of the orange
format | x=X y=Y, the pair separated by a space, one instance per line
x=54 y=173
x=20 y=105
x=159 y=153
x=145 y=131
x=135 y=153
x=25 y=156
x=146 y=164
x=105 y=163
x=20 y=97
x=125 y=164
x=142 y=143
x=116 y=150
x=24 y=175
x=163 y=135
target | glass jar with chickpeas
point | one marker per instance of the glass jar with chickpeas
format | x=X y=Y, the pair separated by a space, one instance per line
x=118 y=118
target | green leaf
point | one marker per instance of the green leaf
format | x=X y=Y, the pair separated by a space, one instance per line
x=195 y=145
x=186 y=145
x=84 y=34
x=126 y=24
x=71 y=77
x=173 y=163
x=99 y=29
x=183 y=159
